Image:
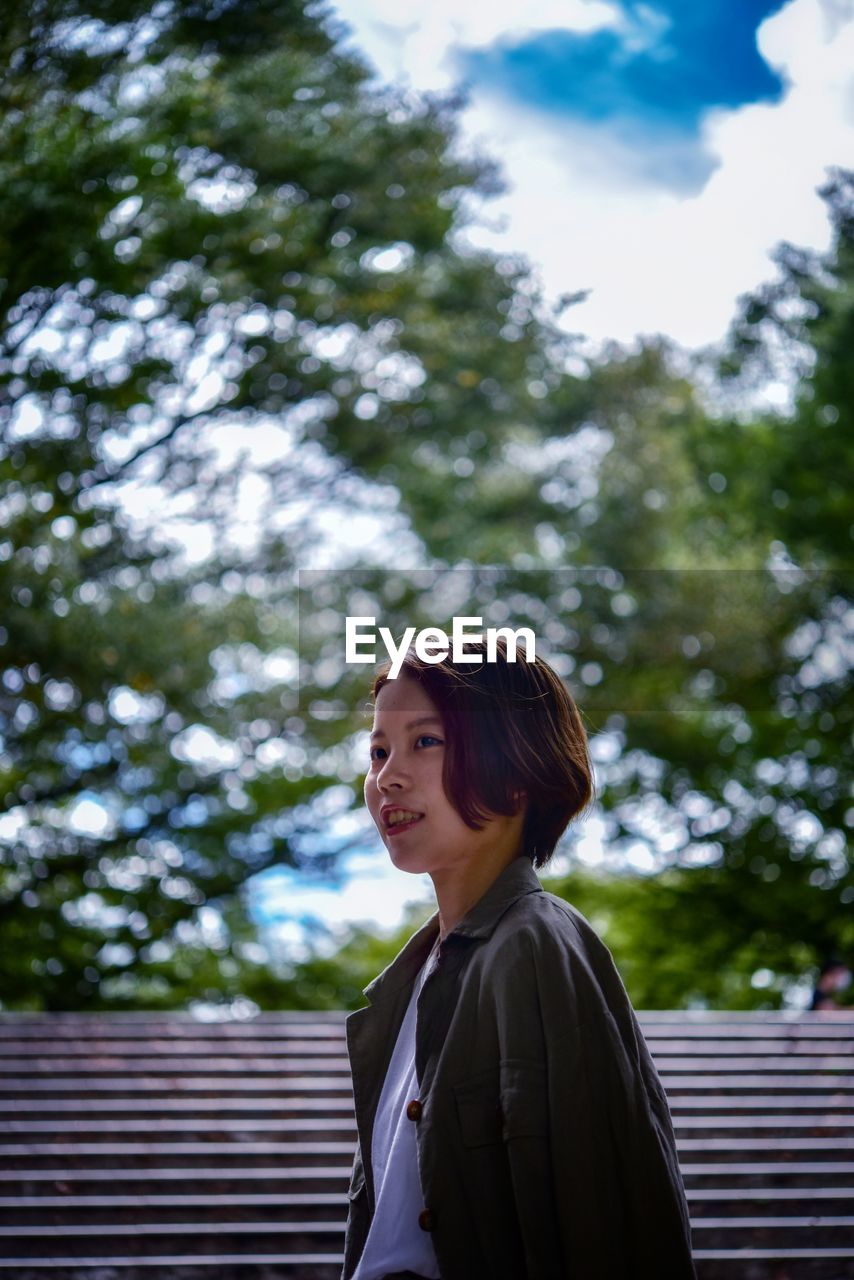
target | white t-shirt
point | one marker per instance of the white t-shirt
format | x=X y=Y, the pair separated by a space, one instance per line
x=395 y=1242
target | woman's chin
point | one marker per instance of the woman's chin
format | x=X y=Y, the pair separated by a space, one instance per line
x=415 y=863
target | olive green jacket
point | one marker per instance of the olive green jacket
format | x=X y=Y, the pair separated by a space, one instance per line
x=545 y=1145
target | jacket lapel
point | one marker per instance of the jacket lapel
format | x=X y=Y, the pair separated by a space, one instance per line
x=372 y=1033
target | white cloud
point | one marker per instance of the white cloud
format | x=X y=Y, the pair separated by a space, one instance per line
x=413 y=44
x=656 y=261
x=373 y=892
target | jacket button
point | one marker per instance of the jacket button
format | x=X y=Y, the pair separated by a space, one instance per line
x=413 y=1110
x=427 y=1220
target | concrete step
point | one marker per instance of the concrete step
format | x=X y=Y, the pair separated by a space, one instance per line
x=157 y=1145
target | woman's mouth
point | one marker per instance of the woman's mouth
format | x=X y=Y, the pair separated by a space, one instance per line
x=400 y=820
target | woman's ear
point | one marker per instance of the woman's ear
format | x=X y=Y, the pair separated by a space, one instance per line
x=520 y=799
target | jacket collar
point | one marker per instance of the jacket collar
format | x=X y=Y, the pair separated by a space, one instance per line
x=406 y=964
x=516 y=880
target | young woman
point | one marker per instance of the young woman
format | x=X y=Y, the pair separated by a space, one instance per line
x=511 y=1123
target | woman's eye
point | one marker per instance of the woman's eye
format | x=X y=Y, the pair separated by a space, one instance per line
x=424 y=740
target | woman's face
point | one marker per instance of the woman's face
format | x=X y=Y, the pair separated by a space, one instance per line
x=404 y=791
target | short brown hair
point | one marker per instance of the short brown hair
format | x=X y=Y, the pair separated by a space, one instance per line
x=513 y=728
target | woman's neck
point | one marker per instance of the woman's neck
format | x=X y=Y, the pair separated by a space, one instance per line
x=459 y=888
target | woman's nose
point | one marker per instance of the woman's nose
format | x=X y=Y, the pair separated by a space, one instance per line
x=390 y=775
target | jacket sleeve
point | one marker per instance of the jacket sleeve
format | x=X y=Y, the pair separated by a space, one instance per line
x=588 y=1132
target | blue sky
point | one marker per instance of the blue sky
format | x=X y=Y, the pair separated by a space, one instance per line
x=655 y=152
x=651 y=77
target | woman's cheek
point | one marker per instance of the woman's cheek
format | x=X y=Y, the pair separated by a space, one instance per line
x=372 y=797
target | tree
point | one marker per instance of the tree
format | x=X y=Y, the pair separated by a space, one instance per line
x=225 y=261
x=234 y=272
x=804 y=321
x=710 y=649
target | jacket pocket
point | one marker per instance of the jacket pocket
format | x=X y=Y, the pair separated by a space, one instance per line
x=479 y=1109
x=499 y=1105
x=524 y=1098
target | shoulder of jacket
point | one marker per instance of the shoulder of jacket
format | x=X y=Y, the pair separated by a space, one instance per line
x=548 y=939
x=544 y=924
x=546 y=915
